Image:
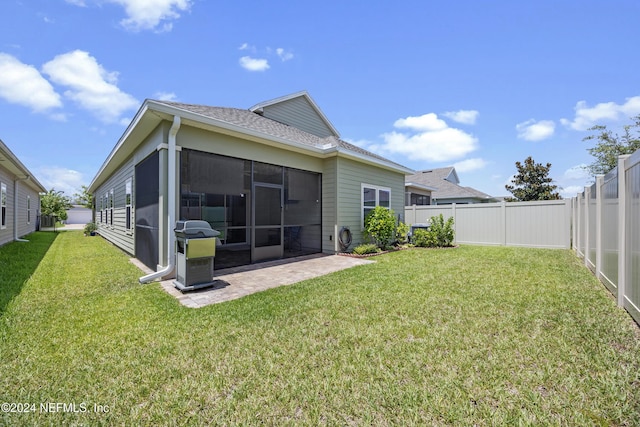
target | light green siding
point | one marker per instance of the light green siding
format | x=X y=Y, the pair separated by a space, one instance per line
x=299 y=113
x=350 y=177
x=24 y=227
x=329 y=206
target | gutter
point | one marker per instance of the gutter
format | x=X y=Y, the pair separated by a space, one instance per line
x=15 y=208
x=171 y=205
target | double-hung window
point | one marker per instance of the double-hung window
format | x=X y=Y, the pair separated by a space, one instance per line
x=127 y=202
x=3 y=203
x=28 y=209
x=372 y=196
x=111 y=207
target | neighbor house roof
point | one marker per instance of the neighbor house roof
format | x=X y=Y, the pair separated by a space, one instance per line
x=237 y=122
x=446 y=184
x=9 y=161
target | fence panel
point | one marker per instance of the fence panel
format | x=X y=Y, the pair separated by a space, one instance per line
x=544 y=224
x=610 y=241
x=592 y=219
x=632 y=282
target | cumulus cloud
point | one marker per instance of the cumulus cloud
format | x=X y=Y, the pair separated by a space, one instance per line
x=469 y=165
x=142 y=15
x=254 y=64
x=61 y=179
x=573 y=180
x=533 y=130
x=428 y=138
x=165 y=96
x=587 y=117
x=467 y=117
x=23 y=84
x=283 y=54
x=90 y=85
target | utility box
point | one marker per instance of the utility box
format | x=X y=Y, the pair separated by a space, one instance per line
x=195 y=251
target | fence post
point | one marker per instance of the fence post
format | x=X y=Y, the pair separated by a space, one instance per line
x=622 y=228
x=455 y=223
x=578 y=224
x=599 y=207
x=587 y=197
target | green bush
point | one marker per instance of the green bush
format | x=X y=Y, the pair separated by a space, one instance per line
x=402 y=232
x=439 y=234
x=90 y=228
x=424 y=238
x=379 y=225
x=367 y=248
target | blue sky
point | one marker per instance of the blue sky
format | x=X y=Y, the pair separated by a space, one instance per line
x=475 y=84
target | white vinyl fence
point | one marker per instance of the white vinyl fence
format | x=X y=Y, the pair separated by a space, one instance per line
x=607 y=231
x=541 y=224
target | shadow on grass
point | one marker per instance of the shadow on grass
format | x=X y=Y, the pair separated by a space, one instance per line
x=18 y=261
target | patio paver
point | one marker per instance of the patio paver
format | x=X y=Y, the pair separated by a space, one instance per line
x=237 y=282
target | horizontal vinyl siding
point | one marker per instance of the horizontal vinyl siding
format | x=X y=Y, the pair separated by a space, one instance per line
x=117 y=233
x=329 y=191
x=299 y=113
x=351 y=176
x=7 y=178
x=26 y=226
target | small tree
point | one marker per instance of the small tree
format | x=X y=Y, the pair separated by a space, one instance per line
x=532 y=182
x=609 y=146
x=84 y=198
x=379 y=225
x=54 y=204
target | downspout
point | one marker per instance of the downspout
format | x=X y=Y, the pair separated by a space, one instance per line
x=15 y=208
x=171 y=204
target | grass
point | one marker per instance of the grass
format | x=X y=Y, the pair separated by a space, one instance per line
x=467 y=336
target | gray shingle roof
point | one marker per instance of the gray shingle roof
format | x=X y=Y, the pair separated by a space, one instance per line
x=445 y=189
x=253 y=121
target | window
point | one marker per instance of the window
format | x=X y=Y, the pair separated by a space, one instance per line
x=373 y=196
x=3 y=203
x=106 y=207
x=28 y=209
x=420 y=199
x=127 y=202
x=111 y=207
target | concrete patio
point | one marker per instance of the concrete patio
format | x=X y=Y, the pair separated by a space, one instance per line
x=234 y=283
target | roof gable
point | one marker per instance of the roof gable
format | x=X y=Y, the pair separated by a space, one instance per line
x=297 y=110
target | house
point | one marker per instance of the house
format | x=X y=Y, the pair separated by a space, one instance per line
x=275 y=180
x=441 y=187
x=78 y=214
x=19 y=197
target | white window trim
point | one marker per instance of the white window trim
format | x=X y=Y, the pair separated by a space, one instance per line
x=128 y=201
x=377 y=189
x=3 y=204
x=28 y=209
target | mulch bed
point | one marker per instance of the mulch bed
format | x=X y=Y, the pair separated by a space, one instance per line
x=394 y=250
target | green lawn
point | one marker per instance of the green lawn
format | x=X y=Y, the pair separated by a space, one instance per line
x=467 y=336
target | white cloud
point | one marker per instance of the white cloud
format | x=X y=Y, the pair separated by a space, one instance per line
x=587 y=117
x=165 y=96
x=467 y=117
x=146 y=14
x=283 y=54
x=570 y=191
x=254 y=64
x=427 y=122
x=469 y=165
x=23 y=84
x=533 y=130
x=432 y=140
x=61 y=179
x=577 y=172
x=90 y=85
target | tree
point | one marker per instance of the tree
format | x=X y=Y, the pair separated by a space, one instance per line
x=610 y=145
x=84 y=198
x=532 y=182
x=55 y=204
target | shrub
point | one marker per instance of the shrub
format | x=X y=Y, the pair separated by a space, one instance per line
x=379 y=225
x=90 y=228
x=424 y=238
x=402 y=232
x=439 y=234
x=442 y=229
x=367 y=248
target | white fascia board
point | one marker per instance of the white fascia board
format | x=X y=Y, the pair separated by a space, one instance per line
x=16 y=167
x=371 y=160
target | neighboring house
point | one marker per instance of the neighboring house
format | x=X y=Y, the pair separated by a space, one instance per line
x=444 y=186
x=276 y=181
x=19 y=197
